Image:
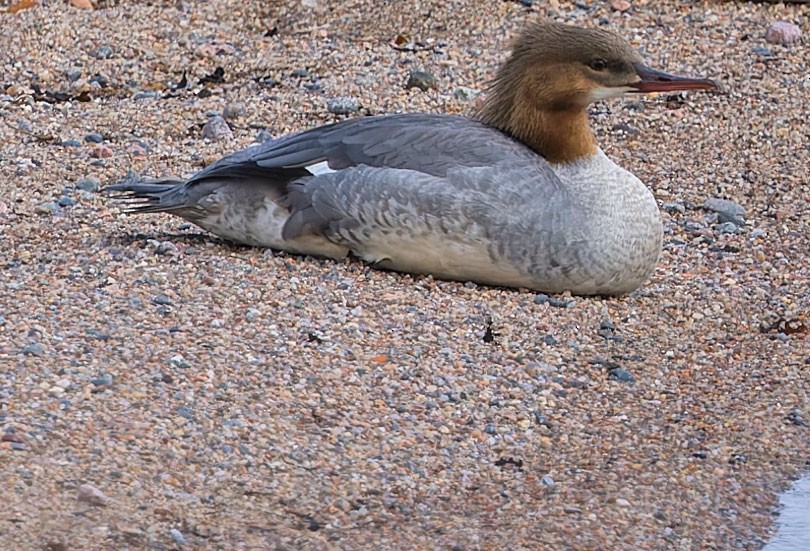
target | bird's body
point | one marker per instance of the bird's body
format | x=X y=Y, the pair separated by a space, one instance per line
x=521 y=197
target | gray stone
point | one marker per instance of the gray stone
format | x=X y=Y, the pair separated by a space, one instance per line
x=342 y=105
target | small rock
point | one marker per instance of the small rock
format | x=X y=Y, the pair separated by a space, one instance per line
x=422 y=80
x=252 y=314
x=161 y=300
x=103 y=52
x=264 y=136
x=727 y=211
x=179 y=362
x=622 y=375
x=138 y=150
x=48 y=207
x=622 y=502
x=542 y=419
x=463 y=93
x=757 y=233
x=626 y=128
x=94 y=137
x=547 y=481
x=12 y=437
x=727 y=227
x=66 y=201
x=542 y=298
x=673 y=208
x=217 y=129
x=103 y=380
x=761 y=50
x=178 y=537
x=302 y=73
x=781 y=32
x=164 y=248
x=71 y=143
x=99 y=81
x=73 y=75
x=620 y=5
x=342 y=105
x=146 y=94
x=234 y=110
x=88 y=184
x=101 y=152
x=92 y=495
x=796 y=417
x=33 y=349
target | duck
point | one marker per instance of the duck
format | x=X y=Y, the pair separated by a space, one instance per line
x=516 y=195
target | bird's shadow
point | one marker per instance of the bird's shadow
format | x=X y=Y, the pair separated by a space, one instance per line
x=192 y=238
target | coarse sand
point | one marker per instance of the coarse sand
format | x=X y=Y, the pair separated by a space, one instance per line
x=163 y=389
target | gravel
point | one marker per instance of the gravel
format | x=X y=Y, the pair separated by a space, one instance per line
x=161 y=388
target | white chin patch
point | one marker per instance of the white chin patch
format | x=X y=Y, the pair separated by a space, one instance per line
x=605 y=92
x=319 y=168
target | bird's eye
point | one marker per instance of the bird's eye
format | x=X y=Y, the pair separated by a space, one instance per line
x=598 y=64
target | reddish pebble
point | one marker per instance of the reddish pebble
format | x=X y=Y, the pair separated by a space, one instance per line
x=101 y=152
x=12 y=437
x=620 y=5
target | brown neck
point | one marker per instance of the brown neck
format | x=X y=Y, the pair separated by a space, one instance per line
x=560 y=131
x=559 y=136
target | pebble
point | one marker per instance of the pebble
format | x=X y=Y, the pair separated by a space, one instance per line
x=102 y=380
x=178 y=537
x=217 y=129
x=463 y=93
x=33 y=349
x=542 y=298
x=94 y=137
x=783 y=33
x=626 y=128
x=727 y=227
x=342 y=105
x=101 y=152
x=103 y=52
x=727 y=210
x=90 y=184
x=234 y=110
x=622 y=375
x=620 y=5
x=423 y=80
x=92 y=495
x=48 y=207
x=66 y=201
x=179 y=362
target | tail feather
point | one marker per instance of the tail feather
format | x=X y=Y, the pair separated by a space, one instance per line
x=164 y=195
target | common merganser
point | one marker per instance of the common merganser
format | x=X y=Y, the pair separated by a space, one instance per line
x=518 y=196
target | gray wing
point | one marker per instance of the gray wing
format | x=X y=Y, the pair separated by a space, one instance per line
x=525 y=218
x=429 y=143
